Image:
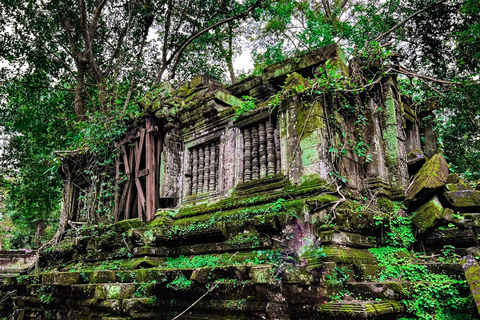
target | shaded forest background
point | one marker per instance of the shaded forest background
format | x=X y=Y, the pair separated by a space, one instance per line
x=71 y=73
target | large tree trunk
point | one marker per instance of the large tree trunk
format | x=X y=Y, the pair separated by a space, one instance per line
x=79 y=98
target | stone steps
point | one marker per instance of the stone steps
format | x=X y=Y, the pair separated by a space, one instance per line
x=359 y=310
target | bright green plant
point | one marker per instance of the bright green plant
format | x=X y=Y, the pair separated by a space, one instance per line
x=434 y=296
x=247 y=105
x=339 y=278
x=180 y=283
x=398 y=228
x=144 y=288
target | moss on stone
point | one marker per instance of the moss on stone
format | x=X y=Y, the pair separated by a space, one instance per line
x=432 y=176
x=428 y=215
x=385 y=204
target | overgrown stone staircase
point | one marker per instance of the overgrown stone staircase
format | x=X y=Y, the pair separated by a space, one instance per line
x=272 y=254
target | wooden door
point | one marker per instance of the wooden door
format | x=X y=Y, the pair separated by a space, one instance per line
x=137 y=173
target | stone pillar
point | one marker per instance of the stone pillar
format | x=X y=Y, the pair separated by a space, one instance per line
x=262 y=149
x=213 y=167
x=206 y=169
x=194 y=171
x=278 y=165
x=201 y=164
x=170 y=167
x=376 y=168
x=255 y=162
x=270 y=149
x=247 y=175
x=189 y=171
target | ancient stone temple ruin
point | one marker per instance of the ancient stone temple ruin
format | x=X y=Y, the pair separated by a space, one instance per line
x=262 y=200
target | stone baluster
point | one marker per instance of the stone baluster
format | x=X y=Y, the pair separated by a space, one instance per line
x=194 y=171
x=213 y=167
x=247 y=168
x=201 y=163
x=206 y=169
x=262 y=149
x=270 y=149
x=255 y=163
x=278 y=167
x=189 y=179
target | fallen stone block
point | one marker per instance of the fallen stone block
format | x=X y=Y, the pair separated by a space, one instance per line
x=463 y=200
x=428 y=215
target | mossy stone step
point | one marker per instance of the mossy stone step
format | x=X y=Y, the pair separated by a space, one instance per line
x=242 y=243
x=347 y=256
x=459 y=237
x=103 y=291
x=391 y=290
x=444 y=268
x=147 y=308
x=304 y=190
x=350 y=239
x=360 y=310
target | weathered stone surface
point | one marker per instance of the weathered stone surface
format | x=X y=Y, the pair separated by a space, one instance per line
x=428 y=215
x=415 y=160
x=453 y=178
x=359 y=310
x=261 y=274
x=461 y=185
x=431 y=177
x=472 y=273
x=61 y=278
x=347 y=239
x=463 y=200
x=307 y=61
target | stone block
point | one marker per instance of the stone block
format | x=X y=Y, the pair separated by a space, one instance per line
x=458 y=186
x=101 y=276
x=415 y=160
x=261 y=274
x=463 y=200
x=453 y=178
x=429 y=179
x=428 y=215
x=61 y=278
x=346 y=239
x=472 y=273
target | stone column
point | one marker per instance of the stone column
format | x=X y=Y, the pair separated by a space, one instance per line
x=190 y=172
x=262 y=149
x=270 y=149
x=255 y=163
x=194 y=171
x=206 y=169
x=201 y=163
x=247 y=175
x=213 y=167
x=278 y=165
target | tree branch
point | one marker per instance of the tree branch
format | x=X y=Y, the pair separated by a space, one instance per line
x=470 y=113
x=401 y=23
x=187 y=42
x=96 y=18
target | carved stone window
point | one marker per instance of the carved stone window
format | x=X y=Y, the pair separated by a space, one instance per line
x=261 y=150
x=203 y=168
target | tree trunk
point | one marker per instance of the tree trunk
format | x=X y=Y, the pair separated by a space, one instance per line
x=79 y=98
x=229 y=57
x=40 y=230
x=103 y=96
